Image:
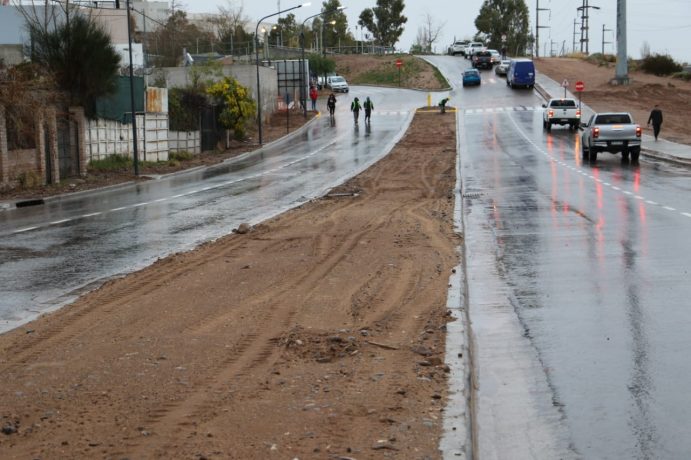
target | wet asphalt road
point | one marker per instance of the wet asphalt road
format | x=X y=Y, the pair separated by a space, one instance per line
x=50 y=254
x=578 y=285
x=577 y=275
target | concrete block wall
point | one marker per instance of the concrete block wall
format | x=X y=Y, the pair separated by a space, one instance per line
x=109 y=137
x=187 y=141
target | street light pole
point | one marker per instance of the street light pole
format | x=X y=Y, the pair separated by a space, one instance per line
x=303 y=96
x=256 y=55
x=134 y=114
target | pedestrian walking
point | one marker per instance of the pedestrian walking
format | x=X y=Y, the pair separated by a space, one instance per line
x=368 y=106
x=355 y=108
x=331 y=104
x=314 y=94
x=656 y=118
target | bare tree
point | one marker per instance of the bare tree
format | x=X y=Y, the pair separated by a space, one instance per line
x=230 y=25
x=429 y=32
x=645 y=49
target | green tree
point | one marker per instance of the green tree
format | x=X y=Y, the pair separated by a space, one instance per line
x=505 y=17
x=237 y=107
x=385 y=21
x=79 y=55
x=286 y=32
x=320 y=65
x=338 y=32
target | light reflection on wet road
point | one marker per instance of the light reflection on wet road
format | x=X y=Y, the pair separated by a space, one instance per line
x=578 y=288
x=51 y=253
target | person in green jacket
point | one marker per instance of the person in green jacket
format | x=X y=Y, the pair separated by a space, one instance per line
x=355 y=108
x=368 y=106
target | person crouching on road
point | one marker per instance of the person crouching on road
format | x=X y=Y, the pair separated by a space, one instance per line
x=314 y=94
x=355 y=108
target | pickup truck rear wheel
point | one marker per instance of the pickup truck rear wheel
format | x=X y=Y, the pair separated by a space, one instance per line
x=585 y=151
x=549 y=126
x=635 y=153
x=592 y=156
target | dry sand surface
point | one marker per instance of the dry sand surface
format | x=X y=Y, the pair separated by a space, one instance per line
x=672 y=94
x=318 y=334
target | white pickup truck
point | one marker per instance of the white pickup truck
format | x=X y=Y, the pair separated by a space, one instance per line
x=472 y=48
x=611 y=132
x=561 y=112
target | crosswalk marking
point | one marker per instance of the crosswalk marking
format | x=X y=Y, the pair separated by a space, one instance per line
x=521 y=108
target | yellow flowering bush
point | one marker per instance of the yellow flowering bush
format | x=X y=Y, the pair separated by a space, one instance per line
x=237 y=107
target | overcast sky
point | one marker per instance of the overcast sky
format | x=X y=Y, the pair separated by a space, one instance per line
x=664 y=24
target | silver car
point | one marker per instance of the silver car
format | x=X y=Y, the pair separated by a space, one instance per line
x=337 y=84
x=503 y=67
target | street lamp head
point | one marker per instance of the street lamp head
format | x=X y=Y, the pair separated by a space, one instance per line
x=306 y=4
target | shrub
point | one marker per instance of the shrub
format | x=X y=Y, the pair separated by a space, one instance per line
x=683 y=75
x=111 y=163
x=237 y=107
x=660 y=64
x=29 y=179
x=184 y=108
x=182 y=155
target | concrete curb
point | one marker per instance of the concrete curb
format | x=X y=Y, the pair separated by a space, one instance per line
x=9 y=205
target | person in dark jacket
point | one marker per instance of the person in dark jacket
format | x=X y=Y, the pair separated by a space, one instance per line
x=656 y=119
x=368 y=106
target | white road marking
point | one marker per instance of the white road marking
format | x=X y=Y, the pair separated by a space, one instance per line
x=590 y=176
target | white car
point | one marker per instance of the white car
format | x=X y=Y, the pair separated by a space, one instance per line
x=337 y=84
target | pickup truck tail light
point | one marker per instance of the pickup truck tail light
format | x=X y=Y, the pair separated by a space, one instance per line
x=550 y=113
x=596 y=133
x=638 y=131
x=578 y=113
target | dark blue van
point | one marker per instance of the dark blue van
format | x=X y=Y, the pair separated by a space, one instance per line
x=521 y=73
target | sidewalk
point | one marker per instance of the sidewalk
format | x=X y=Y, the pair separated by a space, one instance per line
x=660 y=149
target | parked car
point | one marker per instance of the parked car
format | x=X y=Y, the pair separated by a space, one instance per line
x=496 y=57
x=561 y=112
x=472 y=48
x=521 y=73
x=502 y=68
x=482 y=60
x=471 y=77
x=611 y=132
x=337 y=84
x=458 y=47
